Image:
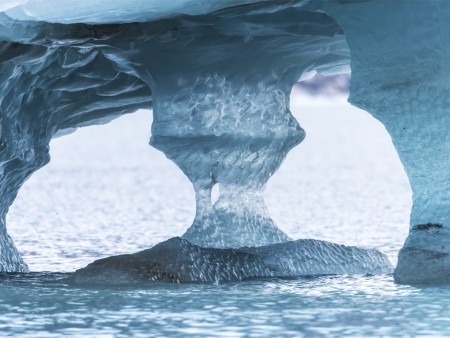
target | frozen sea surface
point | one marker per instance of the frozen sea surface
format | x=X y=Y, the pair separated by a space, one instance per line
x=107 y=192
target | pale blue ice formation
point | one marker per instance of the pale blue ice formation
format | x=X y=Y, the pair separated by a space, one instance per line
x=218 y=75
x=400 y=74
x=104 y=11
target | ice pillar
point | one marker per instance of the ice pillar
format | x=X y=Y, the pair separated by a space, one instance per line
x=400 y=74
x=23 y=150
x=221 y=113
x=234 y=133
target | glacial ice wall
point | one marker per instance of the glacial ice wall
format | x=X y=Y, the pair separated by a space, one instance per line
x=218 y=75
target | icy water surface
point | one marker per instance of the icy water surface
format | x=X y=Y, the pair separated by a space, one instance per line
x=107 y=192
x=42 y=305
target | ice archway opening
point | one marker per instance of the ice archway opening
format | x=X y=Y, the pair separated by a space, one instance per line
x=234 y=60
x=221 y=108
x=104 y=192
x=344 y=178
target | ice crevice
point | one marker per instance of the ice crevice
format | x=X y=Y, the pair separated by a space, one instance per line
x=218 y=79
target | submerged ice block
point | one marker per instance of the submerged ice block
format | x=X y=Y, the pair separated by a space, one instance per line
x=179 y=261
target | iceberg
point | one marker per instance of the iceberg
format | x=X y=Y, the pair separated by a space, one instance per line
x=218 y=75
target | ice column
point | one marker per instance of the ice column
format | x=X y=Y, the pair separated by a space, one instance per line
x=221 y=114
x=23 y=150
x=221 y=89
x=234 y=133
x=400 y=74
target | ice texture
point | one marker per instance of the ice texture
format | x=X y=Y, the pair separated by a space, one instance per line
x=400 y=74
x=219 y=85
x=107 y=11
x=179 y=261
x=218 y=75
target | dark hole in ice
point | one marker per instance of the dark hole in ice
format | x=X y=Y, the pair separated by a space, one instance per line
x=421 y=227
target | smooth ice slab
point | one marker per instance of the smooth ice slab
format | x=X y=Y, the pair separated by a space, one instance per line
x=179 y=261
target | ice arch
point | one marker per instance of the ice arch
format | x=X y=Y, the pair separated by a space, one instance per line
x=220 y=79
x=220 y=106
x=101 y=194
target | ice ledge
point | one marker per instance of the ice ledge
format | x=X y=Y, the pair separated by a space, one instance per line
x=178 y=261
